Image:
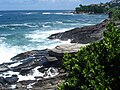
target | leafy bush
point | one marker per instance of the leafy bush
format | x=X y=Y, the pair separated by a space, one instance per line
x=96 y=66
x=115 y=13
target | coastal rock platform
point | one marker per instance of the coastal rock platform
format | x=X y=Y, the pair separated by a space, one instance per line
x=84 y=35
x=36 y=69
x=66 y=48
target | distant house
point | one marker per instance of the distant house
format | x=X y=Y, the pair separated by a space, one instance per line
x=101 y=4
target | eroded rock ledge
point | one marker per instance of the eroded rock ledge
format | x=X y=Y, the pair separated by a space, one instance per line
x=41 y=67
x=84 y=35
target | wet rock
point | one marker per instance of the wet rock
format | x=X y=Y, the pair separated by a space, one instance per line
x=84 y=35
x=11 y=80
x=4 y=68
x=39 y=59
x=2 y=80
x=49 y=83
x=61 y=70
x=33 y=53
x=51 y=72
x=26 y=65
x=42 y=69
x=59 y=51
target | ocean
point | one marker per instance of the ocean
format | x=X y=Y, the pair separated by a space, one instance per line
x=22 y=31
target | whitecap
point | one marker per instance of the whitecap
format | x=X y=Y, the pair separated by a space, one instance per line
x=59 y=22
x=28 y=13
x=19 y=25
x=46 y=26
x=2 y=37
x=59 y=13
x=69 y=13
x=30 y=25
x=46 y=13
x=87 y=24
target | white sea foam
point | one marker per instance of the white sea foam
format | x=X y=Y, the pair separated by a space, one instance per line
x=29 y=13
x=44 y=34
x=8 y=52
x=30 y=85
x=18 y=25
x=59 y=22
x=46 y=26
x=87 y=24
x=69 y=14
x=51 y=72
x=46 y=13
x=59 y=13
x=15 y=64
x=13 y=87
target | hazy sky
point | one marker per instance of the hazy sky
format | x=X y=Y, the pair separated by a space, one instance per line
x=44 y=4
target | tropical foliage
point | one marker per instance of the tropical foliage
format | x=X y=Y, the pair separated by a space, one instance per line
x=115 y=13
x=96 y=8
x=96 y=66
x=91 y=9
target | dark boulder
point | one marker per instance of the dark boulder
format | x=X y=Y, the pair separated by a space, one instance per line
x=2 y=80
x=11 y=80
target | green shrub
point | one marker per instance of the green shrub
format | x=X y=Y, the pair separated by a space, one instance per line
x=96 y=66
x=115 y=13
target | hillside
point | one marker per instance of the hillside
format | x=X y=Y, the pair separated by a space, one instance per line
x=97 y=8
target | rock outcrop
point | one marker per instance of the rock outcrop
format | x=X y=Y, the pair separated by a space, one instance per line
x=83 y=35
x=41 y=67
x=59 y=51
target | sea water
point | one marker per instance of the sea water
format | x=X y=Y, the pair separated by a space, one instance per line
x=22 y=31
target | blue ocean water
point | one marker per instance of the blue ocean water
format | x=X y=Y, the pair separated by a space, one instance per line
x=22 y=31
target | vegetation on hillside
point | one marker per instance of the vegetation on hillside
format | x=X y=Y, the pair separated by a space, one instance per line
x=115 y=13
x=96 y=8
x=96 y=66
x=91 y=9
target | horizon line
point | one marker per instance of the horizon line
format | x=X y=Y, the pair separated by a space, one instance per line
x=37 y=10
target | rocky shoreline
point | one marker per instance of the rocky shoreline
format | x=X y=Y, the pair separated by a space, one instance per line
x=36 y=69
x=41 y=69
x=83 y=35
